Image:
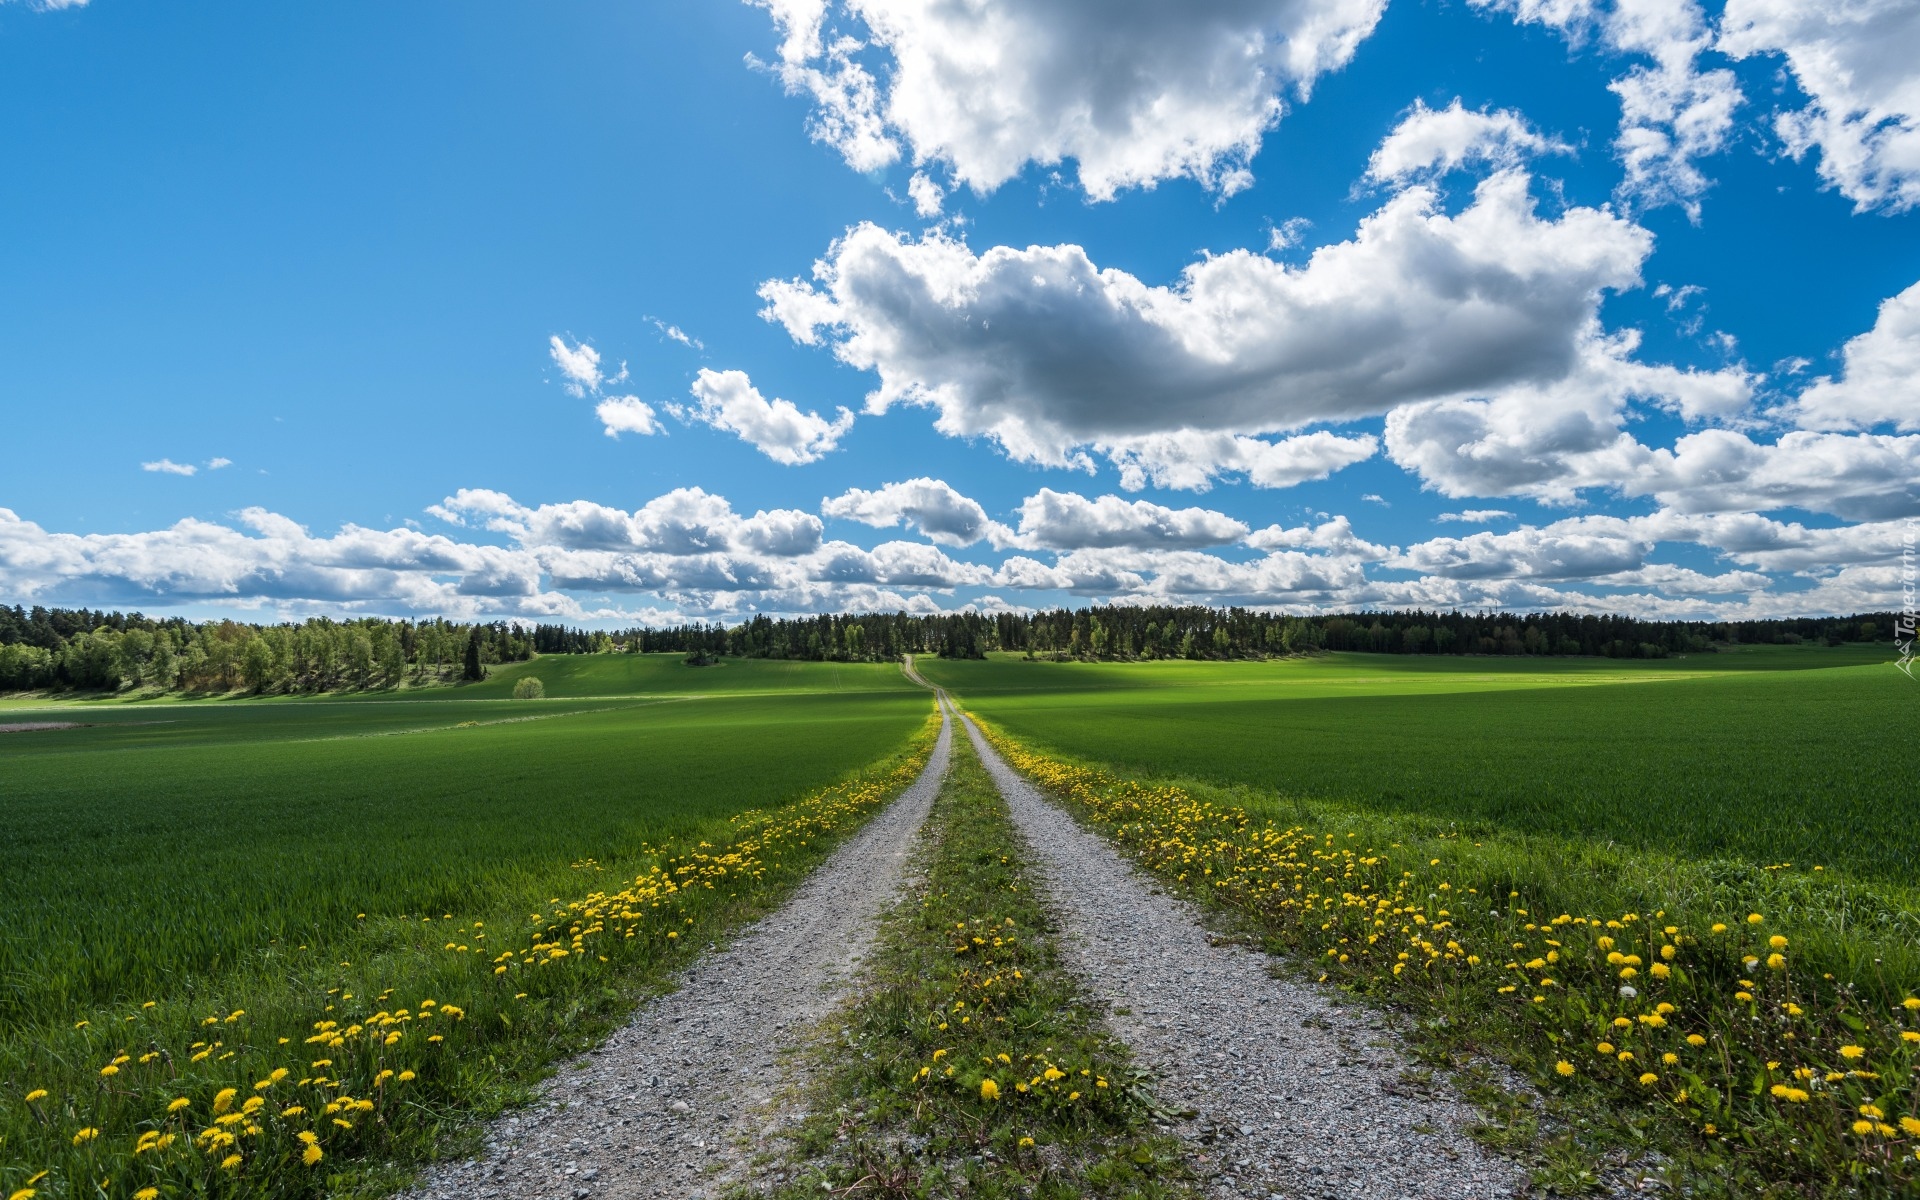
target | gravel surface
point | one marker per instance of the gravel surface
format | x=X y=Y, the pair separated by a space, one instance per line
x=1295 y=1093
x=676 y=1103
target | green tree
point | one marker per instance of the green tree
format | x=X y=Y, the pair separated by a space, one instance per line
x=474 y=670
x=256 y=664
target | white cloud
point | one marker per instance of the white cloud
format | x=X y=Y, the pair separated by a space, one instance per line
x=676 y=334
x=1855 y=476
x=1672 y=113
x=1068 y=521
x=1552 y=441
x=1429 y=141
x=214 y=464
x=1334 y=536
x=580 y=364
x=167 y=466
x=926 y=195
x=1288 y=233
x=1192 y=460
x=1855 y=62
x=931 y=506
x=1476 y=516
x=1045 y=352
x=1134 y=94
x=777 y=428
x=627 y=414
x=1880 y=382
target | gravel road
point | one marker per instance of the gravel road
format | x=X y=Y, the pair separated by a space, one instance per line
x=1296 y=1094
x=676 y=1103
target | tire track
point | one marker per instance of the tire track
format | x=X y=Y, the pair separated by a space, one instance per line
x=1294 y=1092
x=675 y=1103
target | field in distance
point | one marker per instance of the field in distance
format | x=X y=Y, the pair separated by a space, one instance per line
x=152 y=849
x=1765 y=754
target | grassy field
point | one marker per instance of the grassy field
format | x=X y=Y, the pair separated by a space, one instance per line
x=1773 y=754
x=192 y=885
x=165 y=839
x=1619 y=835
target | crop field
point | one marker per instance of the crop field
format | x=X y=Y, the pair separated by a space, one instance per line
x=253 y=859
x=1773 y=755
x=1681 y=897
x=166 y=838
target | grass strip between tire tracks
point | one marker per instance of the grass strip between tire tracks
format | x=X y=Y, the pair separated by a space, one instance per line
x=971 y=1063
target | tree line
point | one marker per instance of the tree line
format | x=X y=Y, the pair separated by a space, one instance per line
x=1128 y=632
x=81 y=648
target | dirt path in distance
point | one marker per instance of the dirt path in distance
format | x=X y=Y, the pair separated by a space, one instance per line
x=674 y=1104
x=1295 y=1093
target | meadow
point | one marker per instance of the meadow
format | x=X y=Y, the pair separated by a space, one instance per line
x=1769 y=754
x=274 y=858
x=1679 y=898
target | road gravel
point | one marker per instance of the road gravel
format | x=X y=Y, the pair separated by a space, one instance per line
x=678 y=1102
x=1293 y=1092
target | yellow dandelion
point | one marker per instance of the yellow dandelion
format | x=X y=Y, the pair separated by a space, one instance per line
x=1564 y=1067
x=989 y=1090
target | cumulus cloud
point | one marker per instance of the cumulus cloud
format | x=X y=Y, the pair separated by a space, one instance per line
x=216 y=463
x=627 y=414
x=1044 y=351
x=927 y=196
x=1551 y=442
x=1192 y=460
x=931 y=506
x=167 y=466
x=1880 y=380
x=727 y=400
x=1855 y=63
x=579 y=365
x=1133 y=94
x=1429 y=142
x=1068 y=521
x=1476 y=516
x=1672 y=113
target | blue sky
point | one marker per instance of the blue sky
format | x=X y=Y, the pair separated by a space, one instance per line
x=1121 y=303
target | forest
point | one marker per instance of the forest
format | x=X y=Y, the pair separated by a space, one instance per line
x=104 y=651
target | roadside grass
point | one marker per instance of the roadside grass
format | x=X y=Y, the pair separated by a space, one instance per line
x=336 y=1066
x=1748 y=1032
x=972 y=1065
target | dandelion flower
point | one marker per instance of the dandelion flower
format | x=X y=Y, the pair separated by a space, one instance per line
x=1754 y=918
x=1564 y=1067
x=312 y=1154
x=989 y=1090
x=1649 y=1079
x=85 y=1135
x=1851 y=1053
x=36 y=1094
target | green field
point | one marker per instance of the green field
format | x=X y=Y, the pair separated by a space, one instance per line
x=151 y=850
x=1771 y=755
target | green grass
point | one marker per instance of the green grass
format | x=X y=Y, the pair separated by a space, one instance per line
x=967 y=991
x=1769 y=755
x=1355 y=806
x=149 y=851
x=192 y=885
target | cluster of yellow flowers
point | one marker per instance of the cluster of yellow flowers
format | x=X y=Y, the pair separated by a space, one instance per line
x=281 y=1120
x=297 y=1114
x=1717 y=1024
x=580 y=927
x=989 y=985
